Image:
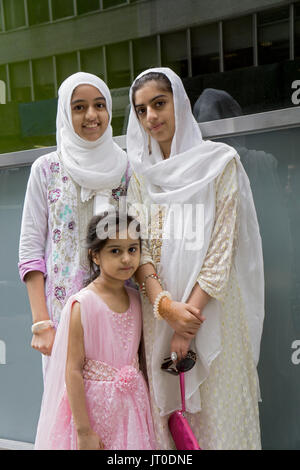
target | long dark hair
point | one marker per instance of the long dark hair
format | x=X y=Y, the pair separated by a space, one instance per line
x=101 y=228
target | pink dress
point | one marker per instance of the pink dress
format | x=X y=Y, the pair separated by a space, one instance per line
x=116 y=393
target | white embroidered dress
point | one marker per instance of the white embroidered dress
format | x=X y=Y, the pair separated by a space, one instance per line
x=229 y=417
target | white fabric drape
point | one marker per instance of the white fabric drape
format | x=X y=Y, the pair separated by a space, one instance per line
x=187 y=178
x=96 y=166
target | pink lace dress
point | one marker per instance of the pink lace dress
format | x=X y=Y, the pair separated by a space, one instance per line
x=116 y=393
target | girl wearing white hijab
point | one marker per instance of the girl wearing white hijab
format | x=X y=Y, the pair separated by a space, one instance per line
x=204 y=289
x=85 y=175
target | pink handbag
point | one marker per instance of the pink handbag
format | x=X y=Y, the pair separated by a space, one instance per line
x=179 y=427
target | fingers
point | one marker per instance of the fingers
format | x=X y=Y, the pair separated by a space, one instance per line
x=200 y=317
x=181 y=353
x=188 y=335
x=46 y=351
x=43 y=342
x=196 y=312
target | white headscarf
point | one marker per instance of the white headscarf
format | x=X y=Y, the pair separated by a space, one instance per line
x=96 y=166
x=187 y=177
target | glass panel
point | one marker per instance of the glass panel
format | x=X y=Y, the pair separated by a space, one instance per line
x=43 y=79
x=271 y=88
x=3 y=86
x=38 y=11
x=273 y=36
x=174 y=52
x=237 y=43
x=66 y=64
x=62 y=9
x=118 y=70
x=144 y=54
x=273 y=166
x=14 y=13
x=20 y=366
x=84 y=6
x=20 y=82
x=205 y=49
x=92 y=61
x=1 y=21
x=112 y=3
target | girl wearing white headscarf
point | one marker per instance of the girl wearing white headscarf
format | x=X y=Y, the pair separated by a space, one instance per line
x=214 y=265
x=85 y=175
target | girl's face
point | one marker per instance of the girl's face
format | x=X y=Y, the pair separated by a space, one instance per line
x=155 y=110
x=119 y=258
x=89 y=114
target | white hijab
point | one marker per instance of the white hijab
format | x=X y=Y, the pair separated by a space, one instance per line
x=187 y=177
x=96 y=166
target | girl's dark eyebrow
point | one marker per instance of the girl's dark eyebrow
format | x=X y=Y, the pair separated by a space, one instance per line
x=118 y=246
x=99 y=98
x=152 y=99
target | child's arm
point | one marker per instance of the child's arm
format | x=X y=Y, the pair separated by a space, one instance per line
x=87 y=438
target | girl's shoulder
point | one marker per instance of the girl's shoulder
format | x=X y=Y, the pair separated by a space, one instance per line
x=134 y=296
x=87 y=296
x=84 y=294
x=48 y=158
x=46 y=164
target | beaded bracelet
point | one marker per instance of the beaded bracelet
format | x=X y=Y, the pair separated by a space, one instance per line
x=41 y=325
x=163 y=293
x=153 y=276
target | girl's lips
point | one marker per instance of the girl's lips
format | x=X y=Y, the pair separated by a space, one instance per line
x=156 y=128
x=91 y=126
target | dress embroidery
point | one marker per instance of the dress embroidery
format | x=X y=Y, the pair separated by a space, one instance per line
x=65 y=251
x=229 y=418
x=100 y=371
x=123 y=324
x=155 y=243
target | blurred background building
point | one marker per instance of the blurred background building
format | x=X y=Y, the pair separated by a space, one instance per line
x=210 y=44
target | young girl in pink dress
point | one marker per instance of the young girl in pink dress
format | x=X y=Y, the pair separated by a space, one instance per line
x=95 y=397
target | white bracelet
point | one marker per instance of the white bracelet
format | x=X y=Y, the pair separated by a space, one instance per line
x=163 y=293
x=41 y=325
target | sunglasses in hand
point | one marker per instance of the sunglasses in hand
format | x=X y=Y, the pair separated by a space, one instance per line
x=184 y=365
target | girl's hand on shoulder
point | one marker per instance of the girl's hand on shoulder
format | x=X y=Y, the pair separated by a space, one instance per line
x=43 y=341
x=89 y=441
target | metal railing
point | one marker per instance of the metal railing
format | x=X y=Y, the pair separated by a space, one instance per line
x=241 y=125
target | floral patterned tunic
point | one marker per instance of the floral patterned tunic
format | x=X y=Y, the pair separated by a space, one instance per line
x=54 y=228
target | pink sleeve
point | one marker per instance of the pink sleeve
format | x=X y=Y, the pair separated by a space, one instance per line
x=31 y=265
x=34 y=227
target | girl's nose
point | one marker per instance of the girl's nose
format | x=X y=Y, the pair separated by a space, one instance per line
x=91 y=113
x=151 y=114
x=125 y=258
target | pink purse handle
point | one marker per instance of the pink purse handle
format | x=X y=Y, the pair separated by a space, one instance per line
x=182 y=390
